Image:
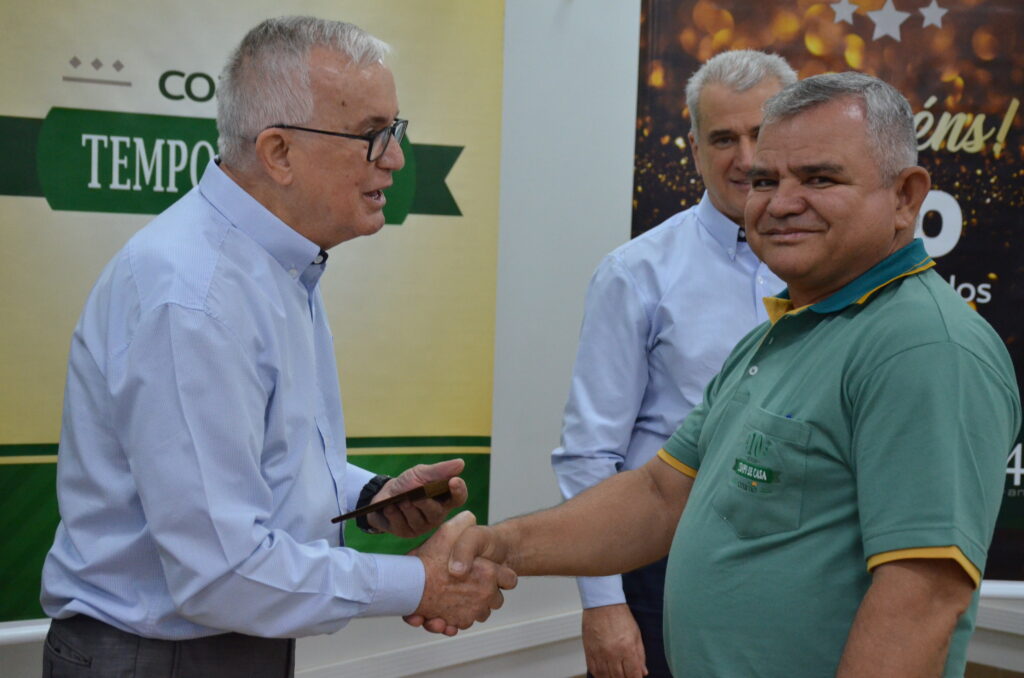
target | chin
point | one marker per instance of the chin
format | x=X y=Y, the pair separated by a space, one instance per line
x=369 y=223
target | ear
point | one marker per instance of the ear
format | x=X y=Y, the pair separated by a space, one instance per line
x=273 y=154
x=694 y=153
x=911 y=188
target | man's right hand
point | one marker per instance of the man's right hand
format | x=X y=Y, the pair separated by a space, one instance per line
x=612 y=643
x=451 y=603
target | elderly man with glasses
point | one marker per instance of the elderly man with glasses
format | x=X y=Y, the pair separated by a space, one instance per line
x=202 y=454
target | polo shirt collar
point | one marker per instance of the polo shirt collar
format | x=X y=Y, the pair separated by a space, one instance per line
x=720 y=227
x=909 y=260
x=290 y=249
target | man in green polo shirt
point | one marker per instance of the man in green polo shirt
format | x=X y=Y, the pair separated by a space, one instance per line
x=842 y=477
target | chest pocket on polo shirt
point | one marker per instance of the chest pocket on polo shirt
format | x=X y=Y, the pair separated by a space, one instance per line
x=761 y=491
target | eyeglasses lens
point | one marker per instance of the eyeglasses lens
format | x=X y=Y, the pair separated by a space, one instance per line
x=383 y=138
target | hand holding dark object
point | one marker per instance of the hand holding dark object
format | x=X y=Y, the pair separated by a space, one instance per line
x=417 y=501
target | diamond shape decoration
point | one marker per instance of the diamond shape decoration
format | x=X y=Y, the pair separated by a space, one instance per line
x=118 y=65
x=97 y=64
x=75 y=62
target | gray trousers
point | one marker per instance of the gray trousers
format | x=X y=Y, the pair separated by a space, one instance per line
x=82 y=647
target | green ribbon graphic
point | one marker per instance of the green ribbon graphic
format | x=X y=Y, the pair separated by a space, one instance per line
x=102 y=161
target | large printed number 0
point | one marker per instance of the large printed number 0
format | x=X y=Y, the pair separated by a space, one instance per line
x=1015 y=465
x=951 y=218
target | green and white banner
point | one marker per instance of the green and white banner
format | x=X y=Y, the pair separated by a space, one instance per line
x=108 y=118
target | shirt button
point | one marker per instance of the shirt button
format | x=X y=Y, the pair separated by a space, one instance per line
x=293 y=273
x=752 y=371
x=760 y=280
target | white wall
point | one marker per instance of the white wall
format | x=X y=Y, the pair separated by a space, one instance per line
x=566 y=174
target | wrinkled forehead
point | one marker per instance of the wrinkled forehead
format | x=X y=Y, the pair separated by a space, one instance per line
x=845 y=113
x=352 y=90
x=724 y=108
x=829 y=131
x=329 y=67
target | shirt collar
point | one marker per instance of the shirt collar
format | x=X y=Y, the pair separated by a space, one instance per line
x=290 y=249
x=723 y=229
x=909 y=260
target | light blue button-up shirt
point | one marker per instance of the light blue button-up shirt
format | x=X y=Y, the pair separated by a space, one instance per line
x=661 y=315
x=202 y=450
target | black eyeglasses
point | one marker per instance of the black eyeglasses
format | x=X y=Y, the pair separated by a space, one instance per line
x=378 y=141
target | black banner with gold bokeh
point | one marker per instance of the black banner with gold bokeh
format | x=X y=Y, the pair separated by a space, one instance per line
x=960 y=63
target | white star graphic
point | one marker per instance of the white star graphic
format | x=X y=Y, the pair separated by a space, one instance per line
x=933 y=14
x=887 y=21
x=844 y=11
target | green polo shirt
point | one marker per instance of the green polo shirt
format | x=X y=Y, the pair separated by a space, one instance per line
x=871 y=426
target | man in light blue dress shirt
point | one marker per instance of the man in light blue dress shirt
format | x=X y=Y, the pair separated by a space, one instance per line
x=662 y=313
x=202 y=451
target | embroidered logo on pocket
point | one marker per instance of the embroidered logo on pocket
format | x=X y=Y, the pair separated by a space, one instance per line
x=754 y=474
x=757 y=444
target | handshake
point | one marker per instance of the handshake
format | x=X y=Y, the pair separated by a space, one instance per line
x=468 y=566
x=465 y=575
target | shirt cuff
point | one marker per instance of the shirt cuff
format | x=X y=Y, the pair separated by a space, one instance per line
x=400 y=582
x=355 y=479
x=676 y=464
x=600 y=591
x=941 y=552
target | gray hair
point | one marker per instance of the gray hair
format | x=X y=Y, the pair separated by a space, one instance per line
x=266 y=78
x=739 y=70
x=888 y=117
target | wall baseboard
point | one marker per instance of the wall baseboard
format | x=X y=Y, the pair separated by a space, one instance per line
x=462 y=649
x=28 y=631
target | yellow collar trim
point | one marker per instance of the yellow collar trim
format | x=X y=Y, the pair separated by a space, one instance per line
x=914 y=271
x=778 y=307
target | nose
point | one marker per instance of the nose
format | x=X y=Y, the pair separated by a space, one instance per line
x=786 y=200
x=393 y=157
x=745 y=153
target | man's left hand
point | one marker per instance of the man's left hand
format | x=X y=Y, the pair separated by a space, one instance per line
x=413 y=518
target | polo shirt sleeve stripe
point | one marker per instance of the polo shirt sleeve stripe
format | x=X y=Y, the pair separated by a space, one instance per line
x=676 y=464
x=950 y=552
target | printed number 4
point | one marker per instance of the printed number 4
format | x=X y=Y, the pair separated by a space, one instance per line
x=1015 y=465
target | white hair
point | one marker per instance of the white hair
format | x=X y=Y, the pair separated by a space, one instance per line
x=739 y=70
x=266 y=79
